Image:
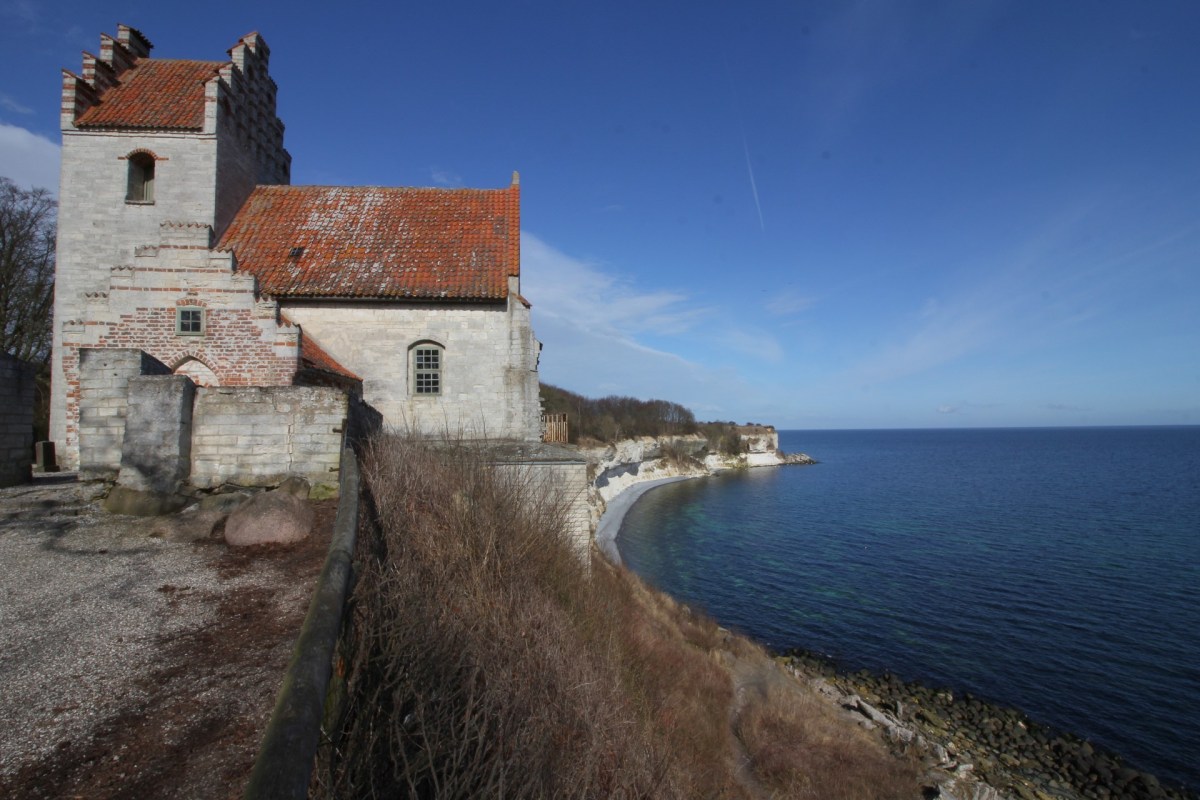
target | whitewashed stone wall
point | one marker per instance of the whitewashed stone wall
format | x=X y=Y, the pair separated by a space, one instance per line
x=16 y=420
x=563 y=483
x=256 y=436
x=104 y=377
x=489 y=374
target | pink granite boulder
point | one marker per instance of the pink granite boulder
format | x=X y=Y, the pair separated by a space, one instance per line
x=274 y=517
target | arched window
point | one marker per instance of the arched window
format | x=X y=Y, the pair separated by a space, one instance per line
x=428 y=360
x=141 y=179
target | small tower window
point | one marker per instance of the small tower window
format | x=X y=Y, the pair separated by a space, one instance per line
x=141 y=179
x=427 y=369
x=189 y=321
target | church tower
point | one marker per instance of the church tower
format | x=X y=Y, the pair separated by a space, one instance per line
x=156 y=154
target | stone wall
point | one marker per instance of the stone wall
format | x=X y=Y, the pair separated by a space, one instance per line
x=156 y=453
x=551 y=473
x=16 y=420
x=250 y=436
x=104 y=377
x=257 y=436
x=489 y=372
x=243 y=342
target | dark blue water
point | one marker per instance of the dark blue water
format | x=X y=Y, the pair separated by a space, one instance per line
x=1054 y=570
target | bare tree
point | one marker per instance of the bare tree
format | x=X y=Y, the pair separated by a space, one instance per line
x=28 y=220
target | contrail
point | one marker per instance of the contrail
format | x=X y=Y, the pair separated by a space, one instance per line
x=737 y=106
x=753 y=185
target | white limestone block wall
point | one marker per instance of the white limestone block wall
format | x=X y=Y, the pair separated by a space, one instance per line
x=489 y=369
x=104 y=377
x=98 y=229
x=257 y=436
x=564 y=483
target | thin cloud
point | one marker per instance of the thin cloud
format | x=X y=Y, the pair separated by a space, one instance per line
x=787 y=302
x=595 y=326
x=1004 y=308
x=23 y=10
x=566 y=287
x=12 y=105
x=30 y=160
x=443 y=177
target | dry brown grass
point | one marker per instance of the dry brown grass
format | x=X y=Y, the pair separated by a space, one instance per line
x=486 y=661
x=800 y=747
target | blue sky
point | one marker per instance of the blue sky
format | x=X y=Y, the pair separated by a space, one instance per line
x=814 y=214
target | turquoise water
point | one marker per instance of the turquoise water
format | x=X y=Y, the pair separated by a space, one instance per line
x=1054 y=570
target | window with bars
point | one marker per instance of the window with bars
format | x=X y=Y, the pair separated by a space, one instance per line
x=427 y=369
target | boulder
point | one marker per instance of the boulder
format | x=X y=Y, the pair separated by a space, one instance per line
x=143 y=503
x=196 y=526
x=225 y=503
x=274 y=517
x=295 y=486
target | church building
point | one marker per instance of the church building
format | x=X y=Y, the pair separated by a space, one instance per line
x=180 y=235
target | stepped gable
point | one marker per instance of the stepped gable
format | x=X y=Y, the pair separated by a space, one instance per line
x=160 y=94
x=374 y=242
x=124 y=89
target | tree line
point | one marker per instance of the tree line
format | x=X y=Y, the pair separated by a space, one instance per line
x=28 y=227
x=609 y=419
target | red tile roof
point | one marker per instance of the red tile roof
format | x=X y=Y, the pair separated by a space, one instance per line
x=373 y=242
x=154 y=93
x=313 y=356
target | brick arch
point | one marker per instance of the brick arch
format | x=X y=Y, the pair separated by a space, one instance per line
x=197 y=368
x=143 y=151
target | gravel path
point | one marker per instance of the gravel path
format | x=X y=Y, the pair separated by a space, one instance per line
x=127 y=636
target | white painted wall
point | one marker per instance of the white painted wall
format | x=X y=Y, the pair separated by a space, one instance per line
x=489 y=377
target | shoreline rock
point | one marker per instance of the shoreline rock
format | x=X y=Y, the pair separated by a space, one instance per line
x=973 y=743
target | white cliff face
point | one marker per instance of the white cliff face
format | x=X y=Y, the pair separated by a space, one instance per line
x=616 y=467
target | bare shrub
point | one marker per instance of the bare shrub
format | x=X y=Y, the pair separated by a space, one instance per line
x=470 y=676
x=485 y=660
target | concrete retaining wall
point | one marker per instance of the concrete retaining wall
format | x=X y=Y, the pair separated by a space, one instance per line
x=16 y=420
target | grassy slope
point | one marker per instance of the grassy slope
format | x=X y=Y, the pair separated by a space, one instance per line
x=487 y=661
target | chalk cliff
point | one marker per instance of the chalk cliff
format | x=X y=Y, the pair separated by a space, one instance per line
x=616 y=467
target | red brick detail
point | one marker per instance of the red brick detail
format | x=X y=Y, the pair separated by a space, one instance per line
x=233 y=347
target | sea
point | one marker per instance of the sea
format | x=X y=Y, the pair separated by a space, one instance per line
x=1054 y=570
